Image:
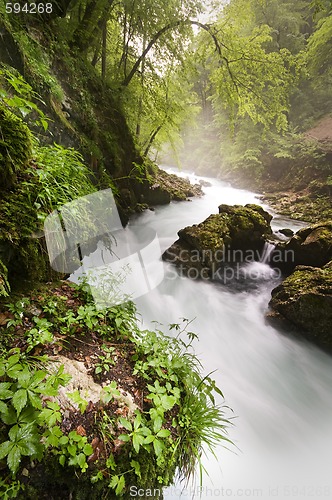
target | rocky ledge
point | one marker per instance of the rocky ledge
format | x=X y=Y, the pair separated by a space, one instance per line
x=304 y=299
x=161 y=188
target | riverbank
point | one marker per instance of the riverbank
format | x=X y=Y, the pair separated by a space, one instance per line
x=302 y=205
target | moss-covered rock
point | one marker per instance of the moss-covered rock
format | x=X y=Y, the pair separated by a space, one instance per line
x=310 y=246
x=304 y=299
x=15 y=147
x=207 y=245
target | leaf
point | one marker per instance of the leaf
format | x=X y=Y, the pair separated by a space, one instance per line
x=38 y=377
x=88 y=450
x=163 y=433
x=9 y=417
x=13 y=459
x=81 y=460
x=137 y=421
x=72 y=449
x=3 y=407
x=138 y=439
x=157 y=423
x=27 y=448
x=124 y=437
x=149 y=439
x=126 y=424
x=137 y=468
x=168 y=402
x=19 y=400
x=5 y=448
x=158 y=447
x=5 y=392
x=114 y=482
x=118 y=322
x=35 y=400
x=62 y=460
x=120 y=486
x=24 y=378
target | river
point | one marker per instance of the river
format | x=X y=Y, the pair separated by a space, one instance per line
x=278 y=387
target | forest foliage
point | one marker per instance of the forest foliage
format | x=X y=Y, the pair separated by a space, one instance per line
x=232 y=76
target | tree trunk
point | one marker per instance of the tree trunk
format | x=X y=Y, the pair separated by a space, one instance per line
x=104 y=52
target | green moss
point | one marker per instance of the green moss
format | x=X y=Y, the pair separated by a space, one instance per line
x=15 y=147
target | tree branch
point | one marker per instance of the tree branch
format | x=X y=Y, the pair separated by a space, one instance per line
x=163 y=30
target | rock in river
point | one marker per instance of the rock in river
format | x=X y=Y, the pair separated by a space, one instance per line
x=305 y=300
x=310 y=246
x=222 y=238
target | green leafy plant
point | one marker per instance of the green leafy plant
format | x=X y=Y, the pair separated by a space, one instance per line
x=74 y=450
x=22 y=389
x=41 y=334
x=77 y=399
x=20 y=96
x=105 y=362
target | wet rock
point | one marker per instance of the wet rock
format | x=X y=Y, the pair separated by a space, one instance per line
x=304 y=299
x=286 y=232
x=221 y=238
x=310 y=246
x=205 y=183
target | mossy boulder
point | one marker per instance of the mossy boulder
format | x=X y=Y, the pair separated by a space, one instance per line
x=310 y=246
x=161 y=188
x=15 y=147
x=304 y=299
x=208 y=245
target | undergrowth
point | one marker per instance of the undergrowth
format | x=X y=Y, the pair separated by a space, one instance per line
x=109 y=445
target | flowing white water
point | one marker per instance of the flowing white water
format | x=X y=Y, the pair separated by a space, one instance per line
x=279 y=387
